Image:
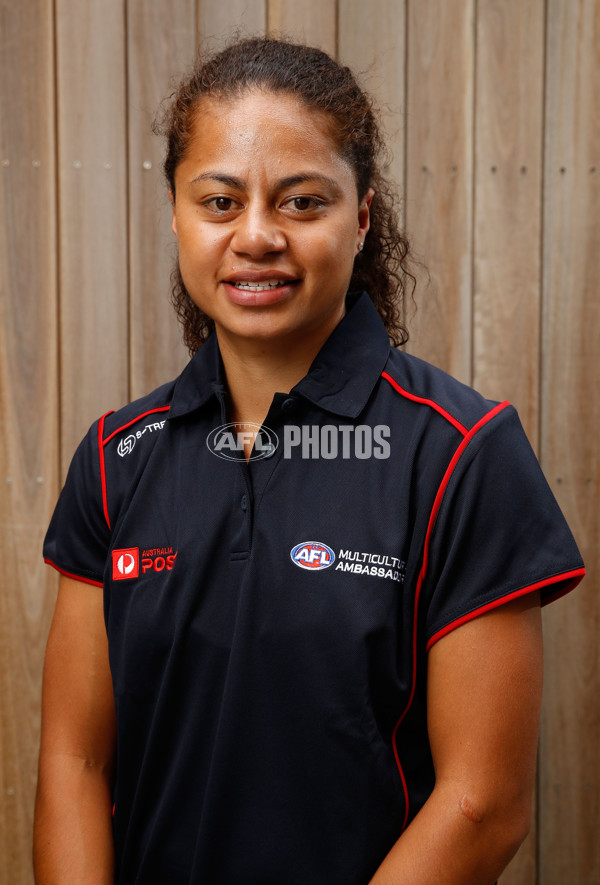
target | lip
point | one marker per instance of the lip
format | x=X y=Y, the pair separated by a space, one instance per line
x=259 y=276
x=265 y=298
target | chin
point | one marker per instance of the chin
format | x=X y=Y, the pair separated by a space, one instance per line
x=263 y=332
x=265 y=329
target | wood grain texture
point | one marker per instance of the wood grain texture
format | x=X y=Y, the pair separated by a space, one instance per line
x=160 y=48
x=29 y=408
x=218 y=21
x=570 y=763
x=372 y=41
x=91 y=77
x=507 y=235
x=312 y=21
x=507 y=230
x=439 y=187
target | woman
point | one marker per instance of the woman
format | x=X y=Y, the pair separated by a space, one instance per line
x=318 y=653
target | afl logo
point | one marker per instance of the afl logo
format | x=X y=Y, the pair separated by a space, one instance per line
x=312 y=555
x=126 y=563
x=126 y=445
x=229 y=441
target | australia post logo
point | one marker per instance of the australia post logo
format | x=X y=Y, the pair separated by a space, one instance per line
x=312 y=555
x=127 y=563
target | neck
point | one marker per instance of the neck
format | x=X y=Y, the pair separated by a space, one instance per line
x=256 y=370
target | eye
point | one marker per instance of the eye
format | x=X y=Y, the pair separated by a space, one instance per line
x=303 y=203
x=220 y=204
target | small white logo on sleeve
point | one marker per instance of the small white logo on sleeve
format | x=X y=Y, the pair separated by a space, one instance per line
x=126 y=445
x=312 y=555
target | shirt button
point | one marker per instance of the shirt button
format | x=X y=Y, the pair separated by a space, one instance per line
x=244 y=503
x=288 y=404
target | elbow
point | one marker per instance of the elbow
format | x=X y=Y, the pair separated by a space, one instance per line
x=516 y=822
x=505 y=822
x=517 y=812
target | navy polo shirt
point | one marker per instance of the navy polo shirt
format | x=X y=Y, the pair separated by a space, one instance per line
x=268 y=622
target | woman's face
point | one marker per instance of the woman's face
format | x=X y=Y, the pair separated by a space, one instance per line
x=267 y=219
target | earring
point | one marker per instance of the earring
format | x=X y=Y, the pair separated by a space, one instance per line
x=360 y=246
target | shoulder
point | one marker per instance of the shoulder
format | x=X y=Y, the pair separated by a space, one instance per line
x=117 y=432
x=138 y=415
x=427 y=390
x=125 y=441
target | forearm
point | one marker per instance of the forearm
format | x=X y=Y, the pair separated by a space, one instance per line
x=73 y=823
x=455 y=841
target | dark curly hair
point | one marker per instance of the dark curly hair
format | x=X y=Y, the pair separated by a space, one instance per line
x=281 y=65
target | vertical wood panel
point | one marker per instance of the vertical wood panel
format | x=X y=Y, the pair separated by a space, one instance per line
x=161 y=45
x=440 y=177
x=570 y=759
x=93 y=213
x=507 y=232
x=218 y=20
x=509 y=110
x=372 y=41
x=28 y=413
x=312 y=21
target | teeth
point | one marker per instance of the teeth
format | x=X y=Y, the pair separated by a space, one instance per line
x=259 y=287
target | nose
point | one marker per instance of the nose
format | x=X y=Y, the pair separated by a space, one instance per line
x=258 y=232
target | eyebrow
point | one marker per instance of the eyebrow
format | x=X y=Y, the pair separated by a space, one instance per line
x=282 y=184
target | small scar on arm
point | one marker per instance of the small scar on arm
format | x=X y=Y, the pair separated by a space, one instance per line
x=469 y=810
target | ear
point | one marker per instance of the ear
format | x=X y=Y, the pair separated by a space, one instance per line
x=364 y=218
x=173 y=217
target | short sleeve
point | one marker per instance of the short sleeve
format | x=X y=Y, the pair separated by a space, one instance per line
x=498 y=532
x=78 y=537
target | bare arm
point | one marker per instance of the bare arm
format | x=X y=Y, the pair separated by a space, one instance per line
x=484 y=697
x=73 y=829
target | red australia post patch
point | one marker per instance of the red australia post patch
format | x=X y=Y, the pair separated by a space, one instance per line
x=126 y=563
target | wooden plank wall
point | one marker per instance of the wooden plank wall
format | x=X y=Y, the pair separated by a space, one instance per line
x=494 y=121
x=29 y=408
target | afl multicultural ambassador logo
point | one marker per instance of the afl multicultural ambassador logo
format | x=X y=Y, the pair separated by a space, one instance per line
x=312 y=555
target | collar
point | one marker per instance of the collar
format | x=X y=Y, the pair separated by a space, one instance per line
x=348 y=366
x=202 y=378
x=340 y=380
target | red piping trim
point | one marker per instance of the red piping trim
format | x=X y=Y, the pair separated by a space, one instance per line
x=70 y=575
x=434 y=512
x=566 y=588
x=427 y=402
x=574 y=576
x=139 y=418
x=102 y=467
